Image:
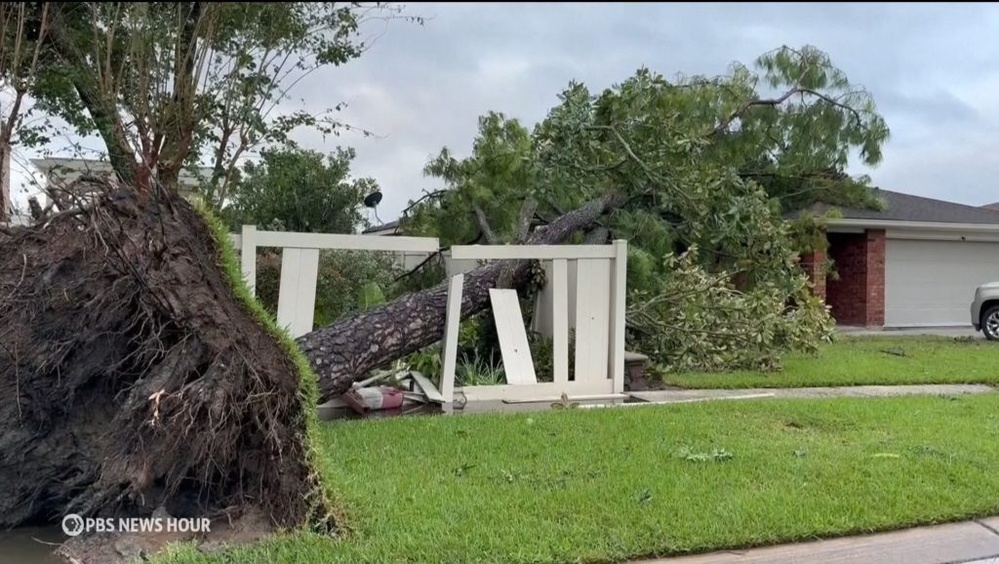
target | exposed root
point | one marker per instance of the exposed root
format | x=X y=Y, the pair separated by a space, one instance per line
x=132 y=377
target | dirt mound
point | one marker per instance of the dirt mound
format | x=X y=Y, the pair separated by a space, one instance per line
x=133 y=377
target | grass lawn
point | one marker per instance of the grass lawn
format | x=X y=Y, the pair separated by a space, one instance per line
x=606 y=485
x=854 y=361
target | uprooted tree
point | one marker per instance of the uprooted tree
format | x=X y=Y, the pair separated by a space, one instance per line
x=136 y=374
x=708 y=168
x=123 y=337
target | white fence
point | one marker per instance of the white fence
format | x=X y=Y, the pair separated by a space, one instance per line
x=585 y=290
x=597 y=313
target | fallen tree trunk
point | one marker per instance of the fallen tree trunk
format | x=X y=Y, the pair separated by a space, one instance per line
x=134 y=379
x=348 y=350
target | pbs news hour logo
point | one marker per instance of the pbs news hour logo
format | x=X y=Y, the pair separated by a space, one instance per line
x=74 y=525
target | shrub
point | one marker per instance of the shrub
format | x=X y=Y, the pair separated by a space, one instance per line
x=348 y=281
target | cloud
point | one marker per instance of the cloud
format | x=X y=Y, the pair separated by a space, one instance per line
x=932 y=68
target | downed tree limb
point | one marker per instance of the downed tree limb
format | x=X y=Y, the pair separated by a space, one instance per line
x=348 y=350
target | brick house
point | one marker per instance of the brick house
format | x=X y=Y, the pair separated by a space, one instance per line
x=915 y=264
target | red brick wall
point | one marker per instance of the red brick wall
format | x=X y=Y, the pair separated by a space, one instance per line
x=875 y=303
x=858 y=296
x=812 y=264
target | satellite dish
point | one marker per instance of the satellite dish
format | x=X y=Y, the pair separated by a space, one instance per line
x=373 y=200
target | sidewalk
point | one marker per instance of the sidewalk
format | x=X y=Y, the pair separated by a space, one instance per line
x=967 y=542
x=678 y=396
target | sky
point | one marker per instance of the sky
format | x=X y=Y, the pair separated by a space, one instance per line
x=933 y=70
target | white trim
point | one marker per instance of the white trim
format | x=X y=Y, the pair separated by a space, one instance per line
x=532 y=252
x=915 y=225
x=291 y=240
x=844 y=229
x=943 y=235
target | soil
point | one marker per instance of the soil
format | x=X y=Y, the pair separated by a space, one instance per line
x=133 y=379
x=225 y=531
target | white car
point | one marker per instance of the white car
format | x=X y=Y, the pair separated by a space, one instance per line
x=985 y=310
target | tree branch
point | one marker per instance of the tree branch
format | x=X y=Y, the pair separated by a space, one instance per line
x=104 y=115
x=480 y=217
x=524 y=219
x=745 y=107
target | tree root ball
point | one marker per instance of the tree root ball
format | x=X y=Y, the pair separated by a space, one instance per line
x=133 y=377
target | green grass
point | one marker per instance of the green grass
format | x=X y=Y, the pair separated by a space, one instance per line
x=607 y=485
x=854 y=361
x=319 y=504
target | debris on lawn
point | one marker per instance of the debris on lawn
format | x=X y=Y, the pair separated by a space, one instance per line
x=388 y=391
x=895 y=351
x=716 y=455
x=564 y=403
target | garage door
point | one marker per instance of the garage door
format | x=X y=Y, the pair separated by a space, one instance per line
x=932 y=282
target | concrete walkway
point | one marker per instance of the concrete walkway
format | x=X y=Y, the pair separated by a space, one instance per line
x=961 y=331
x=677 y=396
x=688 y=396
x=968 y=542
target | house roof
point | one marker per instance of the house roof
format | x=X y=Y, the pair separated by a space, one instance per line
x=906 y=207
x=390 y=226
x=68 y=170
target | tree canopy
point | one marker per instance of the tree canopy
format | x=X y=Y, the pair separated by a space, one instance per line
x=299 y=190
x=708 y=167
x=168 y=85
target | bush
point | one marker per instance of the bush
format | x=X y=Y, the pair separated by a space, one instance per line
x=348 y=281
x=699 y=321
x=543 y=353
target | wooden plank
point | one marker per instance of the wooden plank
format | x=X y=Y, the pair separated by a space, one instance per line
x=544 y=306
x=248 y=257
x=541 y=321
x=410 y=260
x=297 y=292
x=291 y=260
x=428 y=387
x=592 y=319
x=572 y=398
x=560 y=320
x=452 y=318
x=531 y=252
x=292 y=240
x=618 y=308
x=517 y=362
x=532 y=391
x=453 y=266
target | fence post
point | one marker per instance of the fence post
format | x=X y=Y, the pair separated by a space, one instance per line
x=248 y=257
x=560 y=320
x=452 y=317
x=619 y=287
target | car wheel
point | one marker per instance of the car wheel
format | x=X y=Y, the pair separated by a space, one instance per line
x=990 y=323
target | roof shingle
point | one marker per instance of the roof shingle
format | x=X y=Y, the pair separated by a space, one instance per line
x=906 y=207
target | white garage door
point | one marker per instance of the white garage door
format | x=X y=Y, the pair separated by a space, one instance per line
x=933 y=282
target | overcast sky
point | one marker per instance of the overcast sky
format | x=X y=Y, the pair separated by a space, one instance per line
x=933 y=69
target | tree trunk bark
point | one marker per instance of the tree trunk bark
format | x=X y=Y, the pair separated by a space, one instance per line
x=6 y=205
x=348 y=350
